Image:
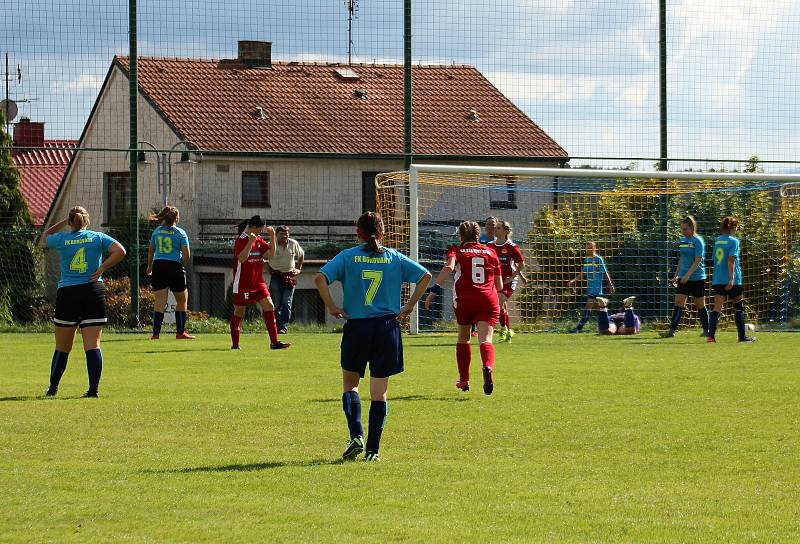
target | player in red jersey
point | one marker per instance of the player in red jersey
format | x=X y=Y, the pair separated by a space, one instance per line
x=250 y=251
x=477 y=281
x=511 y=263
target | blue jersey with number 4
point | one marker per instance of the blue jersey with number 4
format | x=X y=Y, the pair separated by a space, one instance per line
x=167 y=242
x=690 y=249
x=81 y=254
x=372 y=282
x=725 y=247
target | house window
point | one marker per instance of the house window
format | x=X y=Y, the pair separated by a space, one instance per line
x=211 y=291
x=307 y=307
x=116 y=195
x=368 y=200
x=503 y=194
x=255 y=190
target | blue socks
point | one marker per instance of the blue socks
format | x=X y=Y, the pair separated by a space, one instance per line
x=57 y=368
x=630 y=319
x=702 y=313
x=378 y=410
x=739 y=317
x=677 y=312
x=158 y=319
x=602 y=320
x=351 y=404
x=180 y=322
x=712 y=324
x=585 y=319
x=94 y=365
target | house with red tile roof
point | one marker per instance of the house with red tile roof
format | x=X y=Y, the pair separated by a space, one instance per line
x=41 y=164
x=298 y=143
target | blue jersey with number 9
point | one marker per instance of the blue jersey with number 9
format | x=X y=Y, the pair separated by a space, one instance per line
x=725 y=247
x=167 y=243
x=372 y=282
x=81 y=254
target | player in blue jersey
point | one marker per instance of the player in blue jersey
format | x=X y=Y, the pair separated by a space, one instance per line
x=489 y=230
x=690 y=276
x=727 y=279
x=167 y=259
x=372 y=279
x=595 y=272
x=81 y=295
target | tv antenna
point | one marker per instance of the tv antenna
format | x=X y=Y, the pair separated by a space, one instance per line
x=352 y=13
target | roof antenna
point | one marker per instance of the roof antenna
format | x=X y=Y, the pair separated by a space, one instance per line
x=352 y=13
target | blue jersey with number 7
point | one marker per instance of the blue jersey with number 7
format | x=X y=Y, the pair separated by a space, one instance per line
x=372 y=282
x=167 y=243
x=725 y=247
x=81 y=254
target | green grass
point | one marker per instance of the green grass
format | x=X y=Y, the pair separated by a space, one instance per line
x=586 y=439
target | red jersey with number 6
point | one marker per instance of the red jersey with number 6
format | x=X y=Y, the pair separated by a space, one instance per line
x=476 y=268
x=249 y=275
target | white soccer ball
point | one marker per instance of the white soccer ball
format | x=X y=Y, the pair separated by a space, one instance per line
x=750 y=327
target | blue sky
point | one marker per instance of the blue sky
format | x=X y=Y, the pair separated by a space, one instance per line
x=586 y=71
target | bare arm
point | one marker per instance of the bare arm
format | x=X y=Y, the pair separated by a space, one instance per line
x=577 y=278
x=187 y=256
x=325 y=294
x=610 y=283
x=115 y=254
x=677 y=268
x=691 y=270
x=419 y=290
x=242 y=256
x=498 y=283
x=271 y=252
x=449 y=267
x=52 y=230
x=731 y=271
x=151 y=251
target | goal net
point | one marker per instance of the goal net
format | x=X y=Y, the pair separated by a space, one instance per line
x=633 y=217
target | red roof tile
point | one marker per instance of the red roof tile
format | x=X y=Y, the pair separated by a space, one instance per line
x=309 y=108
x=41 y=171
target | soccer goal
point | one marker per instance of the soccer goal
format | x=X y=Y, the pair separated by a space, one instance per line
x=632 y=216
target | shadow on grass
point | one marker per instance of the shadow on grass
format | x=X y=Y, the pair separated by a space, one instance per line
x=403 y=398
x=199 y=349
x=250 y=467
x=23 y=398
x=443 y=344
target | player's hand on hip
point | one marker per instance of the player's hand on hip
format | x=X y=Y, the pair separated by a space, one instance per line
x=148 y=272
x=337 y=312
x=729 y=286
x=97 y=274
x=405 y=312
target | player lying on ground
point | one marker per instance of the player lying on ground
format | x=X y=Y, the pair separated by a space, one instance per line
x=624 y=322
x=511 y=264
x=595 y=273
x=372 y=280
x=475 y=300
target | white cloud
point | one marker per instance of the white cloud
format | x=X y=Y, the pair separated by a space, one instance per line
x=85 y=83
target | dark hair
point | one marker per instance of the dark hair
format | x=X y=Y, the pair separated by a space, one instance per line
x=690 y=220
x=371 y=226
x=282 y=228
x=490 y=218
x=729 y=224
x=169 y=215
x=469 y=231
x=254 y=221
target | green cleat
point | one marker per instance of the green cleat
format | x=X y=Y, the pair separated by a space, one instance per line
x=354 y=448
x=372 y=456
x=509 y=335
x=501 y=335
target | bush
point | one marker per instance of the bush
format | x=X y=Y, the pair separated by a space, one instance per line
x=118 y=302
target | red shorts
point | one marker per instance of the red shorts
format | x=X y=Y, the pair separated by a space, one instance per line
x=469 y=314
x=509 y=289
x=249 y=297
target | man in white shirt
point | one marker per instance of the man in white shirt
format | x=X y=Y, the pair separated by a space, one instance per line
x=284 y=267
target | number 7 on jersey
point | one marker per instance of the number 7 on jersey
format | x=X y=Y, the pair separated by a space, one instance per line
x=375 y=277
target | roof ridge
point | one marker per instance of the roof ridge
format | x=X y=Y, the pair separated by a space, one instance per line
x=300 y=63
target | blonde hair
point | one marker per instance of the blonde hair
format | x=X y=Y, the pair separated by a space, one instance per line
x=506 y=225
x=78 y=218
x=169 y=216
x=469 y=231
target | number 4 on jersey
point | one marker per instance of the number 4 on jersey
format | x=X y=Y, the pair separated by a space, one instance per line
x=78 y=263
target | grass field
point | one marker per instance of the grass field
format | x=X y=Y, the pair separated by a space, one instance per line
x=586 y=439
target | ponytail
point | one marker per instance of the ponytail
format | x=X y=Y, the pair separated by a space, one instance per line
x=168 y=216
x=370 y=228
x=254 y=221
x=469 y=231
x=241 y=226
x=78 y=218
x=729 y=224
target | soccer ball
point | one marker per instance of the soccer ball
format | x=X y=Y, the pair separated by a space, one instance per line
x=749 y=327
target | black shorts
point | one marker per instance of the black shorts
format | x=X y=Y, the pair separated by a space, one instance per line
x=692 y=288
x=734 y=291
x=83 y=305
x=375 y=340
x=169 y=274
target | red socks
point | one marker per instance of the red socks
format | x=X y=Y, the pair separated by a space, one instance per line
x=272 y=327
x=236 y=330
x=463 y=358
x=503 y=319
x=487 y=354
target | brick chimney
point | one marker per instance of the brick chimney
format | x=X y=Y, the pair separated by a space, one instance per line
x=27 y=134
x=255 y=54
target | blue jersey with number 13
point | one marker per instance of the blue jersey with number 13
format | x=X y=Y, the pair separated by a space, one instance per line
x=372 y=282
x=167 y=242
